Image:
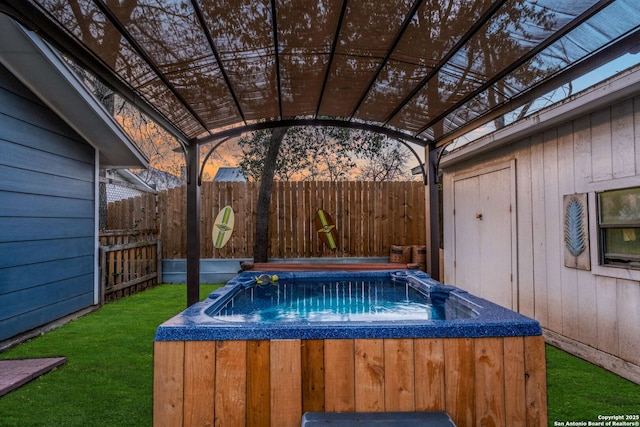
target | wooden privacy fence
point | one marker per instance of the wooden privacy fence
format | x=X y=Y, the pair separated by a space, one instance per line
x=136 y=213
x=130 y=261
x=369 y=217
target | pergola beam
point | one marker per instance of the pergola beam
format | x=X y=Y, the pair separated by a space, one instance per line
x=385 y=60
x=516 y=64
x=276 y=53
x=140 y=51
x=30 y=17
x=216 y=55
x=391 y=133
x=615 y=50
x=446 y=58
x=193 y=225
x=432 y=200
x=336 y=38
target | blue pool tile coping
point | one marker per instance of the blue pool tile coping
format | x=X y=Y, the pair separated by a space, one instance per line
x=492 y=320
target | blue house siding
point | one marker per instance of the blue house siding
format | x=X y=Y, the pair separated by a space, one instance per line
x=47 y=209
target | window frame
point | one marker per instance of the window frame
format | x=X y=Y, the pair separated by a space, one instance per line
x=624 y=260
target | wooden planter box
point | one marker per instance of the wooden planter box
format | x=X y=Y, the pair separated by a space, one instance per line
x=478 y=381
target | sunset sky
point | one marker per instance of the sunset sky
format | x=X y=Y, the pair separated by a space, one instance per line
x=164 y=154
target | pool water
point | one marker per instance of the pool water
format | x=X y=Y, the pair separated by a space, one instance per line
x=342 y=305
x=331 y=301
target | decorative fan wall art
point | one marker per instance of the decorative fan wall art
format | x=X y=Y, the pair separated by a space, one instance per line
x=576 y=232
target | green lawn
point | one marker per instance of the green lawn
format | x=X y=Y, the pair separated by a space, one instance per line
x=108 y=377
x=580 y=391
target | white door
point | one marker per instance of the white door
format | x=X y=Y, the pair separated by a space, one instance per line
x=483 y=227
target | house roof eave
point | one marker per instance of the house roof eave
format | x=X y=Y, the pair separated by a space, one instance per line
x=50 y=78
x=622 y=86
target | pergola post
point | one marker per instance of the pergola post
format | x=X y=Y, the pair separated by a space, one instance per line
x=193 y=225
x=433 y=212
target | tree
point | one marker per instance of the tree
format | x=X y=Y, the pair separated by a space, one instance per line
x=261 y=245
x=310 y=153
x=151 y=139
x=388 y=165
x=287 y=151
x=255 y=147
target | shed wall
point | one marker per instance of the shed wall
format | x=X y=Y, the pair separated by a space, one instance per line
x=47 y=213
x=591 y=313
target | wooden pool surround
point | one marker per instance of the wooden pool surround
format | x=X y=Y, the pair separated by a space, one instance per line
x=492 y=381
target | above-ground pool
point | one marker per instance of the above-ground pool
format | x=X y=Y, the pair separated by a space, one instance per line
x=263 y=353
x=313 y=305
x=334 y=298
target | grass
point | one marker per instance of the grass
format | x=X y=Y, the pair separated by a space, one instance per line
x=580 y=391
x=108 y=377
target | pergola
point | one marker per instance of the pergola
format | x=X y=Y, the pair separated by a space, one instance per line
x=419 y=71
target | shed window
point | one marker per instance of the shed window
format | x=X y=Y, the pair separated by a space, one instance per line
x=619 y=224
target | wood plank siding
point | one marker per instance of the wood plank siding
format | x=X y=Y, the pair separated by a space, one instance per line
x=593 y=313
x=47 y=210
x=478 y=381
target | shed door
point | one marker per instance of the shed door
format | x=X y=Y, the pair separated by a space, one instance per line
x=483 y=226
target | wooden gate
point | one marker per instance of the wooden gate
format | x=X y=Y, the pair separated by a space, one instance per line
x=130 y=261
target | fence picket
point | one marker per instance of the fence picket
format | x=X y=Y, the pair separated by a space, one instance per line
x=128 y=262
x=369 y=217
x=304 y=213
